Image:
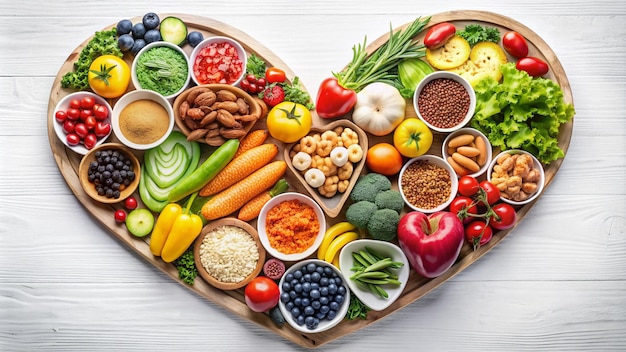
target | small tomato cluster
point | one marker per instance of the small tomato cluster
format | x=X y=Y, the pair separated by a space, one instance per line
x=478 y=208
x=84 y=122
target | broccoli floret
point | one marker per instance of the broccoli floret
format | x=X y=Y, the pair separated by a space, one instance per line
x=368 y=186
x=390 y=199
x=359 y=213
x=383 y=225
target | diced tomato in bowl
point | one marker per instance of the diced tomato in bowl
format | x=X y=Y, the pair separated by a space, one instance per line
x=218 y=60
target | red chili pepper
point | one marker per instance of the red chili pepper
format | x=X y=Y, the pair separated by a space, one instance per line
x=333 y=100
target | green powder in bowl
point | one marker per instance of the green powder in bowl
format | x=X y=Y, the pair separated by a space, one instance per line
x=161 y=67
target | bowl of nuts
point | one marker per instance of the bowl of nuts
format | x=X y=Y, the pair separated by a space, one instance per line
x=468 y=151
x=328 y=161
x=518 y=175
x=444 y=101
x=213 y=113
x=427 y=183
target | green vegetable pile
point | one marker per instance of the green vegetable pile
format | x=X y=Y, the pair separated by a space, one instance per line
x=475 y=33
x=356 y=309
x=373 y=270
x=186 y=266
x=376 y=207
x=522 y=113
x=162 y=69
x=102 y=43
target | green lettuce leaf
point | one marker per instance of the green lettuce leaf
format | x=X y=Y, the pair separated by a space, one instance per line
x=522 y=113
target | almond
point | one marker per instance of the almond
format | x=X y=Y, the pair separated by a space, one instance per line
x=206 y=98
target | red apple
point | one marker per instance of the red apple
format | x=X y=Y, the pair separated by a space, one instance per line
x=432 y=243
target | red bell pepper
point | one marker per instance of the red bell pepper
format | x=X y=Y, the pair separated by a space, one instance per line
x=333 y=100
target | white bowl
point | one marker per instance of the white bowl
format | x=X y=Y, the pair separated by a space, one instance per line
x=435 y=160
x=536 y=164
x=261 y=223
x=132 y=97
x=474 y=132
x=445 y=75
x=64 y=105
x=150 y=46
x=324 y=324
x=211 y=41
x=385 y=249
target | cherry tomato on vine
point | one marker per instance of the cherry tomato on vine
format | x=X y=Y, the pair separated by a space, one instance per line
x=505 y=216
x=478 y=233
x=492 y=193
x=515 y=44
x=262 y=294
x=461 y=206
x=468 y=185
x=275 y=75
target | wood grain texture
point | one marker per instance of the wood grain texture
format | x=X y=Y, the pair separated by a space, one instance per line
x=556 y=282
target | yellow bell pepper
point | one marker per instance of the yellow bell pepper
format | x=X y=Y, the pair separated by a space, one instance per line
x=175 y=231
x=163 y=227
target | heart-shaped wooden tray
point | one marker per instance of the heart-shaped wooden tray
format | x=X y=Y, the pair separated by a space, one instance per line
x=233 y=301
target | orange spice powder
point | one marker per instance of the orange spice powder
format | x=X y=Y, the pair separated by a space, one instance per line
x=291 y=226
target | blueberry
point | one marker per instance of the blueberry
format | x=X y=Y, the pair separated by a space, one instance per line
x=150 y=20
x=316 y=304
x=324 y=281
x=328 y=271
x=339 y=299
x=286 y=286
x=308 y=311
x=331 y=314
x=306 y=277
x=323 y=301
x=305 y=302
x=125 y=42
x=284 y=297
x=289 y=305
x=298 y=288
x=315 y=294
x=124 y=27
x=332 y=289
x=320 y=270
x=341 y=290
x=297 y=302
x=295 y=312
x=194 y=38
x=289 y=277
x=300 y=320
x=315 y=277
x=311 y=267
x=297 y=274
x=138 y=31
x=139 y=44
x=152 y=35
x=324 y=291
x=324 y=309
x=310 y=322
x=334 y=305
x=306 y=287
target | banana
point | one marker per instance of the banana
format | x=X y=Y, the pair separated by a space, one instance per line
x=338 y=243
x=330 y=234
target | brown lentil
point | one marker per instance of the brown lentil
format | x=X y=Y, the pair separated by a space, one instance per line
x=443 y=102
x=426 y=185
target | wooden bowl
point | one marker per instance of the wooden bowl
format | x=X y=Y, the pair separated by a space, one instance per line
x=185 y=124
x=331 y=206
x=90 y=188
x=205 y=274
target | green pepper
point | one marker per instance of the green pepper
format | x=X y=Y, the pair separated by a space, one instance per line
x=206 y=172
x=184 y=230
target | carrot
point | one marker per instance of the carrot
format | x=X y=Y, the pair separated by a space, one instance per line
x=253 y=139
x=240 y=167
x=234 y=197
x=252 y=209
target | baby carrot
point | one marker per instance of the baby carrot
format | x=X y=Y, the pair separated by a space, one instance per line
x=253 y=139
x=234 y=197
x=240 y=167
x=252 y=209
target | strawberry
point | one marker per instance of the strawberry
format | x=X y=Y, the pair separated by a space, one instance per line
x=273 y=94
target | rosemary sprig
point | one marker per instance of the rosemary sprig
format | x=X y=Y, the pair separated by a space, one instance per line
x=381 y=65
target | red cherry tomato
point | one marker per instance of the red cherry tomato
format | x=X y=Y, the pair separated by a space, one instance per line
x=251 y=78
x=73 y=114
x=87 y=103
x=478 y=233
x=275 y=75
x=468 y=185
x=130 y=203
x=120 y=216
x=262 y=294
x=84 y=114
x=68 y=126
x=515 y=44
x=81 y=130
x=533 y=66
x=75 y=103
x=438 y=35
x=492 y=192
x=90 y=141
x=244 y=84
x=60 y=116
x=72 y=139
x=90 y=122
x=505 y=216
x=100 y=112
x=102 y=129
x=462 y=206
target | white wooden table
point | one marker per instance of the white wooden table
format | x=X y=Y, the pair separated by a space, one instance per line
x=558 y=281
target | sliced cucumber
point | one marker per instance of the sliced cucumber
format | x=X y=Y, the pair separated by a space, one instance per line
x=173 y=30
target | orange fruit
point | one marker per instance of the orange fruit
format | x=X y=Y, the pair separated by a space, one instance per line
x=384 y=158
